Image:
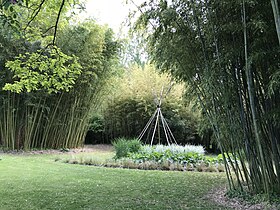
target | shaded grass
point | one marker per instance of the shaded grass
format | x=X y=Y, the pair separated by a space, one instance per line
x=38 y=182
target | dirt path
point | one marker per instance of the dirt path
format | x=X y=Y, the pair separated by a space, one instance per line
x=218 y=196
x=85 y=149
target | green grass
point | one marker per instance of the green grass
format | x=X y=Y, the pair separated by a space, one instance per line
x=38 y=182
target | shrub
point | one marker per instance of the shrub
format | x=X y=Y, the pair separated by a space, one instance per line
x=124 y=147
x=96 y=130
x=214 y=160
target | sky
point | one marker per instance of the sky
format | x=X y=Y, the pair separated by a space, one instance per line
x=111 y=12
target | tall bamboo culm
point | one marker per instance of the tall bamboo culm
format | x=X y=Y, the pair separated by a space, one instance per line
x=232 y=64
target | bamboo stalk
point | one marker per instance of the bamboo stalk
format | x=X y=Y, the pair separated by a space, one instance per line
x=256 y=128
x=275 y=8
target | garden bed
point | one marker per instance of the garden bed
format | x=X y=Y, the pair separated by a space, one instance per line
x=132 y=155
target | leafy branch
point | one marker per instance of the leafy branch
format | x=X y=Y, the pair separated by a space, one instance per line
x=52 y=71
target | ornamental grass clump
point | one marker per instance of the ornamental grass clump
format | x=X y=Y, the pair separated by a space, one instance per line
x=124 y=147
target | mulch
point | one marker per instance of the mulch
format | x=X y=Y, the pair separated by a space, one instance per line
x=219 y=196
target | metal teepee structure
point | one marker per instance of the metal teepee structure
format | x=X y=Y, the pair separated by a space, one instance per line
x=157 y=126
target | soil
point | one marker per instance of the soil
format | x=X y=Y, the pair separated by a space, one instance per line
x=218 y=196
x=85 y=149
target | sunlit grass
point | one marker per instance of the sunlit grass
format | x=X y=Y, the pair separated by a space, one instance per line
x=40 y=182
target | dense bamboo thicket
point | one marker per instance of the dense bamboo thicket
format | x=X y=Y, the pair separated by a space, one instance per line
x=130 y=106
x=50 y=93
x=229 y=53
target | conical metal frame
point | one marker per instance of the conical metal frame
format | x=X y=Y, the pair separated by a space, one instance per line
x=156 y=120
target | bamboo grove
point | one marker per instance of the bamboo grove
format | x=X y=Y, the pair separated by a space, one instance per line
x=229 y=53
x=132 y=104
x=48 y=91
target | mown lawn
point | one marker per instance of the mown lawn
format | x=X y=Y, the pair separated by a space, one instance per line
x=38 y=182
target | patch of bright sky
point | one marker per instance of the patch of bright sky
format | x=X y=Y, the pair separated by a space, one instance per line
x=111 y=12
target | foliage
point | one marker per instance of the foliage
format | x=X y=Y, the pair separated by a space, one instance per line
x=188 y=154
x=228 y=53
x=52 y=72
x=27 y=18
x=124 y=146
x=8 y=14
x=131 y=154
x=95 y=47
x=174 y=149
x=132 y=104
x=134 y=52
x=96 y=123
x=128 y=163
x=51 y=85
x=58 y=89
x=189 y=157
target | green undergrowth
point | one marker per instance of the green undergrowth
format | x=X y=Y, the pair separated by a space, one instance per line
x=38 y=182
x=132 y=154
x=124 y=147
